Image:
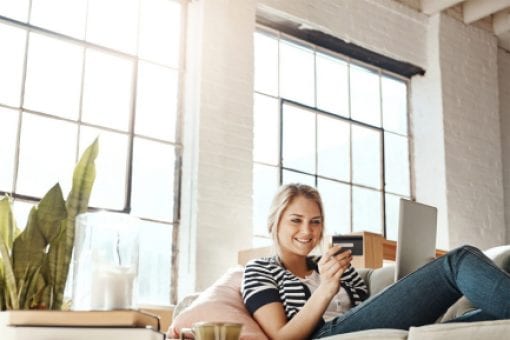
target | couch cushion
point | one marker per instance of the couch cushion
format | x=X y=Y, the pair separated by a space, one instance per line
x=380 y=278
x=379 y=334
x=462 y=331
x=221 y=302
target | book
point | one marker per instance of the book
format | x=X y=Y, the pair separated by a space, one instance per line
x=115 y=318
x=78 y=333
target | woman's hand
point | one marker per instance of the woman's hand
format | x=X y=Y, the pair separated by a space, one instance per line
x=331 y=268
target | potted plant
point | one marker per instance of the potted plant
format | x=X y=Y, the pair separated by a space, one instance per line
x=34 y=263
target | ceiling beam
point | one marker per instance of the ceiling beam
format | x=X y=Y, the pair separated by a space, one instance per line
x=436 y=6
x=476 y=9
x=501 y=22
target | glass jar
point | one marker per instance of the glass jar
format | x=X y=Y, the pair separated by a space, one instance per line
x=105 y=261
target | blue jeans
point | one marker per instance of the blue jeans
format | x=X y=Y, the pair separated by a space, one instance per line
x=421 y=297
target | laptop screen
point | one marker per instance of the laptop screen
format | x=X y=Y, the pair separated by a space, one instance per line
x=416 y=243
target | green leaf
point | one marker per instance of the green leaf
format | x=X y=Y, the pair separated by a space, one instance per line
x=50 y=212
x=35 y=282
x=7 y=222
x=10 y=280
x=30 y=246
x=77 y=202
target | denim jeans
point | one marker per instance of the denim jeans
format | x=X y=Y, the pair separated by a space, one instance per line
x=421 y=297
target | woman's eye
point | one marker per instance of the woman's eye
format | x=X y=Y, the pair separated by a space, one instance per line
x=316 y=221
x=295 y=220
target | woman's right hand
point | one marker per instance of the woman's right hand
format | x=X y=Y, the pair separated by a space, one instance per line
x=331 y=268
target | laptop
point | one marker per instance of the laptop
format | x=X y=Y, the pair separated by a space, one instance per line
x=416 y=243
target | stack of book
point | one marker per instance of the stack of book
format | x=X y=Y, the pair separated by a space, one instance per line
x=79 y=325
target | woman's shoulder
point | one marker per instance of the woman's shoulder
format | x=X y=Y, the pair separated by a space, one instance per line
x=269 y=261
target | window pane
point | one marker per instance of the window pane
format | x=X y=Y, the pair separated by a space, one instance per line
x=113 y=23
x=392 y=210
x=110 y=185
x=266 y=130
x=332 y=85
x=155 y=263
x=365 y=98
x=394 y=100
x=15 y=9
x=396 y=164
x=12 y=40
x=336 y=198
x=53 y=76
x=156 y=103
x=8 y=142
x=153 y=180
x=298 y=139
x=266 y=64
x=49 y=146
x=297 y=73
x=21 y=210
x=366 y=156
x=63 y=16
x=296 y=177
x=160 y=31
x=265 y=184
x=366 y=210
x=107 y=90
x=333 y=148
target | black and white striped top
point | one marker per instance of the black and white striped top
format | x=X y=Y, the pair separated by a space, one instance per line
x=266 y=280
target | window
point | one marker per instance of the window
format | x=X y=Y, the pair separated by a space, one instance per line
x=74 y=70
x=326 y=120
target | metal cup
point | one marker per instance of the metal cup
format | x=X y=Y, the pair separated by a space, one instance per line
x=213 y=331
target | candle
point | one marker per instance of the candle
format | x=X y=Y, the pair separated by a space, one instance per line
x=112 y=287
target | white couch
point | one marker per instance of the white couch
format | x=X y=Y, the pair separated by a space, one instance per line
x=376 y=279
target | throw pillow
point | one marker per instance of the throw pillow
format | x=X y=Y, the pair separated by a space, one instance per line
x=221 y=302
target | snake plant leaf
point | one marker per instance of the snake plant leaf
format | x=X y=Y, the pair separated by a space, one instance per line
x=7 y=223
x=34 y=283
x=59 y=256
x=50 y=212
x=2 y=289
x=30 y=246
x=9 y=286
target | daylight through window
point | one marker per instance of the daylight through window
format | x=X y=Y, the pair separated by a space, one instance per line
x=329 y=121
x=74 y=70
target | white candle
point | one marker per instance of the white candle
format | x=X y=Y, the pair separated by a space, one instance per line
x=112 y=288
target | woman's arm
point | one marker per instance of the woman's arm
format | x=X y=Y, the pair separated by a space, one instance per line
x=271 y=317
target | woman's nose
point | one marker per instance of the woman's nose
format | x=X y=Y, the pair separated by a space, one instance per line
x=306 y=227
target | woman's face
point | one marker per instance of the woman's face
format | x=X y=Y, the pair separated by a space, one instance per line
x=300 y=227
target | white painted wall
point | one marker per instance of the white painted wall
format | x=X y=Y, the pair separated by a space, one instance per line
x=468 y=61
x=455 y=122
x=217 y=164
x=427 y=128
x=504 y=108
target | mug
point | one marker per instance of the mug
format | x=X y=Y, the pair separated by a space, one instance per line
x=213 y=331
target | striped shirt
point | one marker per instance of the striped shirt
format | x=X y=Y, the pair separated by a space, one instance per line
x=266 y=280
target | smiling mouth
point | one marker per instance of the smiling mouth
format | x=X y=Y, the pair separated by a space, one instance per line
x=303 y=241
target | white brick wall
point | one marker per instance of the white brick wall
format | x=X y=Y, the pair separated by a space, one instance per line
x=504 y=107
x=372 y=24
x=455 y=122
x=468 y=61
x=427 y=129
x=217 y=169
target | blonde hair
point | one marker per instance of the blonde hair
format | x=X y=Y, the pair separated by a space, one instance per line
x=283 y=198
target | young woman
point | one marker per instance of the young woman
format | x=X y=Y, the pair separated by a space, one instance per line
x=296 y=296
